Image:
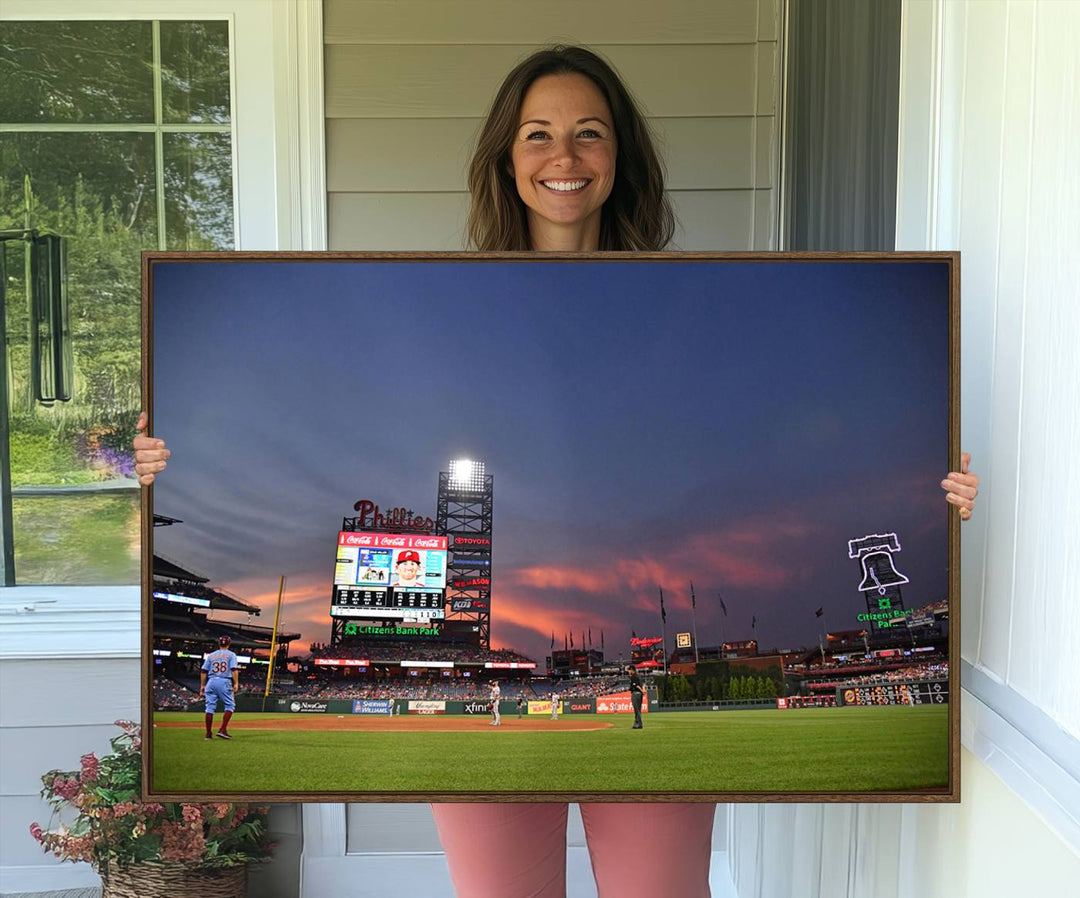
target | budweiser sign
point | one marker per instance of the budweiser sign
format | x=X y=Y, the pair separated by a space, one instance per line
x=373 y=518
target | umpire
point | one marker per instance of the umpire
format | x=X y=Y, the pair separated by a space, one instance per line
x=637 y=690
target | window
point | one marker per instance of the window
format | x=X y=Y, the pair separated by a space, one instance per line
x=117 y=136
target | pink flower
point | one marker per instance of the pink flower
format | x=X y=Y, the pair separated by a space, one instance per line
x=89 y=768
x=181 y=842
x=153 y=809
x=192 y=814
x=65 y=788
x=36 y=831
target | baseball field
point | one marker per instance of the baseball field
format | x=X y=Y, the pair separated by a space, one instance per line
x=817 y=749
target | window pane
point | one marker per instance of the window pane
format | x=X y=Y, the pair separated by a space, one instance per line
x=195 y=72
x=80 y=540
x=76 y=72
x=198 y=192
x=97 y=190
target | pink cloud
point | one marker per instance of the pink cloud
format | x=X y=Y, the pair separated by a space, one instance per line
x=743 y=555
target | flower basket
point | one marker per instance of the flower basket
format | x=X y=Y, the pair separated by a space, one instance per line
x=149 y=849
x=172 y=880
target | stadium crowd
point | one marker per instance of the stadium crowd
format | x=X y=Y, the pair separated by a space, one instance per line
x=933 y=671
x=168 y=694
x=404 y=650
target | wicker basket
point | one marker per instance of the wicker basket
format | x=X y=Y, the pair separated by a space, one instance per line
x=166 y=880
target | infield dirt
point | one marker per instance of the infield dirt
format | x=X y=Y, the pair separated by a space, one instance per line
x=368 y=723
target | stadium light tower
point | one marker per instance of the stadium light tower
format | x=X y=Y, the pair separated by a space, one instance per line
x=467 y=475
x=463 y=514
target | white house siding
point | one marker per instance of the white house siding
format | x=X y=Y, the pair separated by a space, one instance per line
x=408 y=83
x=989 y=143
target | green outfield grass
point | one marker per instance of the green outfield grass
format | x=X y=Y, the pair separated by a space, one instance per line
x=841 y=749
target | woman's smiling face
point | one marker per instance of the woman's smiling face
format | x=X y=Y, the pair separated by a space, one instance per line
x=563 y=160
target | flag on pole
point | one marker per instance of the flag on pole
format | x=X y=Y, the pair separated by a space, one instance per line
x=820 y=611
x=693 y=598
x=590 y=637
x=601 y=640
x=553 y=639
x=633 y=634
x=723 y=607
x=571 y=639
x=753 y=623
x=564 y=642
x=663 y=613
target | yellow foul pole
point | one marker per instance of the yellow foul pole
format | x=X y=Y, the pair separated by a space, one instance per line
x=273 y=639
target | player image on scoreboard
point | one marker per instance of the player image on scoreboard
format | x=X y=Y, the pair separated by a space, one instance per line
x=419 y=569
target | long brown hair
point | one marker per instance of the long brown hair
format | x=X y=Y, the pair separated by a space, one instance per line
x=637 y=214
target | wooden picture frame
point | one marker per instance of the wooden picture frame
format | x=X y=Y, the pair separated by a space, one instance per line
x=771 y=427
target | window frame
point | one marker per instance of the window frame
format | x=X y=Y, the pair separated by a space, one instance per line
x=279 y=202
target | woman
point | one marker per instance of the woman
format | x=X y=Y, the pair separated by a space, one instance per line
x=565 y=162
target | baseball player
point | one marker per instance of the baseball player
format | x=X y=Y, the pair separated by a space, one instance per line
x=554 y=706
x=495 y=693
x=520 y=706
x=219 y=679
x=637 y=694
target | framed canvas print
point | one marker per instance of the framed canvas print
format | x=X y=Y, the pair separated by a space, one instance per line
x=497 y=526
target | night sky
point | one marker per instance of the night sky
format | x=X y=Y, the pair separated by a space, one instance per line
x=646 y=423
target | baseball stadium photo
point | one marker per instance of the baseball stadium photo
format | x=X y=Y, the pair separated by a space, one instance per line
x=447 y=526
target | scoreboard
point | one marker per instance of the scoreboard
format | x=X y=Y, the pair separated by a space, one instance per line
x=394 y=576
x=353 y=601
x=926 y=692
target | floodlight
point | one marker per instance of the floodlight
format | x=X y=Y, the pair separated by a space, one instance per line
x=467 y=475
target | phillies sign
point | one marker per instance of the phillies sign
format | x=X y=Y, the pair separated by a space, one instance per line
x=394 y=519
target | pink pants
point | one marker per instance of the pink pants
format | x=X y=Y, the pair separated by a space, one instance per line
x=519 y=850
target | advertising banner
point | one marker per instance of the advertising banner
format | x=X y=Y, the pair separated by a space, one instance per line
x=471 y=582
x=543 y=707
x=471 y=543
x=578 y=706
x=372 y=706
x=618 y=703
x=476 y=707
x=342 y=662
x=426 y=707
x=307 y=707
x=465 y=604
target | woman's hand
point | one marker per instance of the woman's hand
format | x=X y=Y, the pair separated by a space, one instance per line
x=961 y=487
x=150 y=454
